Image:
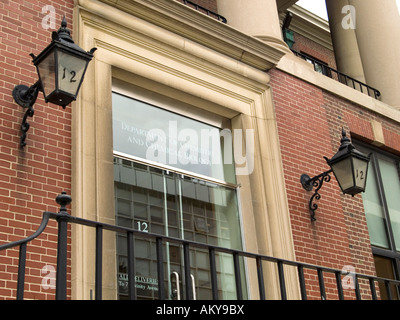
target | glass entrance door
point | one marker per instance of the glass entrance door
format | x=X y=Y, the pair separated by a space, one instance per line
x=168 y=203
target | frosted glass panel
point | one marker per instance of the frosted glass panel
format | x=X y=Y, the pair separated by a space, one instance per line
x=360 y=172
x=70 y=72
x=343 y=174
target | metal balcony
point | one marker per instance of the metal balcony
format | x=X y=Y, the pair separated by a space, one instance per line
x=339 y=76
x=362 y=283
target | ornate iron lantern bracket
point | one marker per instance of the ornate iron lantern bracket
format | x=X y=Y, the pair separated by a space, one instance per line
x=315 y=182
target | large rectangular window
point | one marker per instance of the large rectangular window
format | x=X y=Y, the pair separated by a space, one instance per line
x=382 y=210
x=172 y=178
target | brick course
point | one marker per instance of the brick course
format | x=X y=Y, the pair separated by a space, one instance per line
x=30 y=179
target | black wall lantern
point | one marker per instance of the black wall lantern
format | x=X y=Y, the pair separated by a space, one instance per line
x=350 y=168
x=61 y=67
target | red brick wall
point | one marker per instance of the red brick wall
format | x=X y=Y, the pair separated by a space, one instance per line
x=30 y=179
x=314 y=50
x=309 y=124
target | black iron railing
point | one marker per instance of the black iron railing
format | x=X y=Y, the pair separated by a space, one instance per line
x=205 y=10
x=63 y=219
x=339 y=76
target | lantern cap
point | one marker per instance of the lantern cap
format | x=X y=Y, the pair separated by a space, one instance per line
x=62 y=39
x=346 y=149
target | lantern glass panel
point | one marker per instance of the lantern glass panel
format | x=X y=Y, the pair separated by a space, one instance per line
x=343 y=174
x=46 y=70
x=71 y=69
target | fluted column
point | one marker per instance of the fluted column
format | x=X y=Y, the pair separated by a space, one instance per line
x=344 y=39
x=258 y=18
x=377 y=27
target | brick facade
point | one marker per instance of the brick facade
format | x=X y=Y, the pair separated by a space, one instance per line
x=30 y=179
x=309 y=124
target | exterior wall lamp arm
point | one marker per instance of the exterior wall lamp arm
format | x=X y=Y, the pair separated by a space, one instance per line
x=26 y=98
x=315 y=182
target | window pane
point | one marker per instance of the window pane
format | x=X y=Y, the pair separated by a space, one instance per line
x=171 y=204
x=384 y=269
x=391 y=184
x=374 y=212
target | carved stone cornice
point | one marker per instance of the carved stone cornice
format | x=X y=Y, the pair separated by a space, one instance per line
x=200 y=28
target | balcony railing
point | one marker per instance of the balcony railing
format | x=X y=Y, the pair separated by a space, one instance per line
x=339 y=76
x=304 y=271
x=204 y=10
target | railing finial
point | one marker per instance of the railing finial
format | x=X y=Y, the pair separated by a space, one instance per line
x=63 y=200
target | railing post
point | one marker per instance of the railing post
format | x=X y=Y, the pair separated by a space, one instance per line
x=321 y=283
x=238 y=280
x=160 y=269
x=99 y=264
x=373 y=289
x=282 y=284
x=300 y=271
x=261 y=287
x=61 y=278
x=388 y=291
x=213 y=270
x=357 y=288
x=21 y=271
x=188 y=282
x=339 y=285
x=131 y=266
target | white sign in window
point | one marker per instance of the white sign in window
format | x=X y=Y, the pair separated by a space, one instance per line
x=164 y=137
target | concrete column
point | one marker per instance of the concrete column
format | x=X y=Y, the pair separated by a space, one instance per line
x=377 y=27
x=344 y=39
x=258 y=18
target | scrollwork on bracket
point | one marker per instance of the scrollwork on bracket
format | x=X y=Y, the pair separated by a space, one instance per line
x=315 y=182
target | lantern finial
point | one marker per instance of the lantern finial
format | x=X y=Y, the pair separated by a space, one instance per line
x=63 y=33
x=345 y=141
